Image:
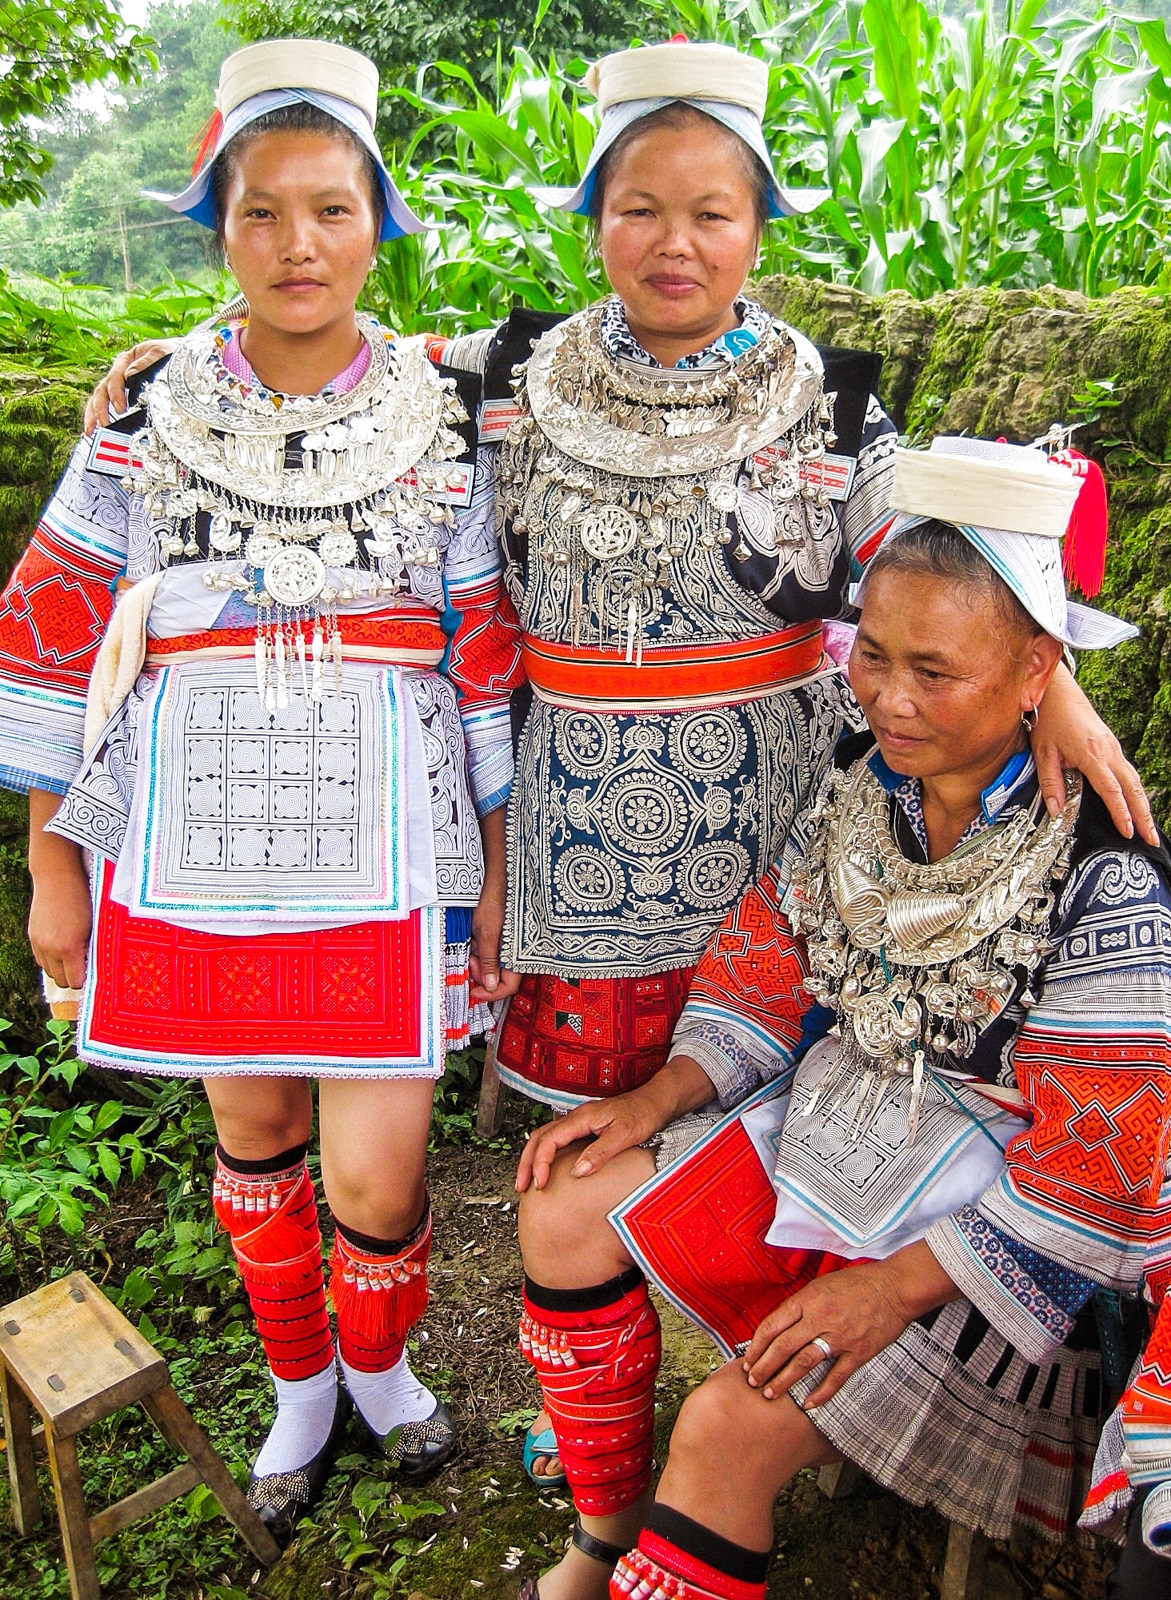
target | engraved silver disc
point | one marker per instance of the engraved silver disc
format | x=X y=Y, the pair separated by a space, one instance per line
x=295 y=577
x=609 y=532
x=338 y=549
x=260 y=549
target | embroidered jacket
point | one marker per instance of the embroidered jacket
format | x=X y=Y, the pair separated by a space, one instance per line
x=56 y=605
x=1077 y=1206
x=653 y=792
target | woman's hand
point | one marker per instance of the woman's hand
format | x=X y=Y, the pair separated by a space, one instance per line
x=856 y=1311
x=110 y=398
x=1070 y=733
x=620 y=1123
x=61 y=913
x=489 y=980
x=59 y=924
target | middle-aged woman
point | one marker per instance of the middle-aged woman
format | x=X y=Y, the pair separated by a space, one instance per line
x=960 y=1006
x=298 y=712
x=683 y=491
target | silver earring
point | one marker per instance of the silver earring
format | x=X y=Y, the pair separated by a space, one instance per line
x=1029 y=720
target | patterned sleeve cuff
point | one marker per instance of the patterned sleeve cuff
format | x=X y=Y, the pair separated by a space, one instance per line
x=978 y=1260
x=733 y=1073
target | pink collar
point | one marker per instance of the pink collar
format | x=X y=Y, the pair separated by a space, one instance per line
x=237 y=362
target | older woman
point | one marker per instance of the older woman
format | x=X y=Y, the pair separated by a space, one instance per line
x=980 y=1137
x=296 y=716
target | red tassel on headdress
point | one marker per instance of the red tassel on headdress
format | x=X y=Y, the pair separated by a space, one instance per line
x=678 y=38
x=206 y=140
x=1084 y=558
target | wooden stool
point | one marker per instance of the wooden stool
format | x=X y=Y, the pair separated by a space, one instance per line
x=66 y=1352
x=490 y=1106
x=966 y=1562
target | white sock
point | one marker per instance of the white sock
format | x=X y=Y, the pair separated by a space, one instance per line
x=304 y=1416
x=388 y=1399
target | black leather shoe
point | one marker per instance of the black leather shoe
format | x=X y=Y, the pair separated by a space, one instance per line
x=281 y=1499
x=419 y=1448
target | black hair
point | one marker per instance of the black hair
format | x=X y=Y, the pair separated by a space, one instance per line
x=300 y=117
x=937 y=549
x=679 y=115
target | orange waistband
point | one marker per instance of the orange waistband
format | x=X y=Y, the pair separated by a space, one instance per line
x=675 y=675
x=411 y=642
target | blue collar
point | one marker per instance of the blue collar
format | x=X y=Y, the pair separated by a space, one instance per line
x=1017 y=773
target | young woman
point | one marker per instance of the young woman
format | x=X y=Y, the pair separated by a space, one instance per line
x=265 y=815
x=957 y=1005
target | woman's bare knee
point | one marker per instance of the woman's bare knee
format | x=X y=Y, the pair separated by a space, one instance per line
x=763 y=1442
x=257 y=1118
x=565 y=1236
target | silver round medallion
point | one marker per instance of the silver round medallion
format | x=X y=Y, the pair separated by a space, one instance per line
x=338 y=549
x=722 y=495
x=608 y=532
x=260 y=549
x=294 y=577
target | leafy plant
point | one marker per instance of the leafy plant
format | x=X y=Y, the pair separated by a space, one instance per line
x=57 y=1159
x=1007 y=147
x=48 y=50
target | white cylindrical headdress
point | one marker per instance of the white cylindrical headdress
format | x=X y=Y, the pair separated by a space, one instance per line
x=1029 y=497
x=280 y=72
x=715 y=79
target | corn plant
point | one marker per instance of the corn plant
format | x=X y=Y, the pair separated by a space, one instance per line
x=1004 y=146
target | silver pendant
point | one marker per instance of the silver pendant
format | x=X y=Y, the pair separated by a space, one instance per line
x=608 y=533
x=294 y=577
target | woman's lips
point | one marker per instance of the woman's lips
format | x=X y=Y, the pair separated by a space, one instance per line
x=299 y=285
x=675 y=287
x=896 y=741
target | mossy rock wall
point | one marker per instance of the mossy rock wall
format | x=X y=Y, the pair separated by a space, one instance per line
x=982 y=360
x=1011 y=362
x=40 y=416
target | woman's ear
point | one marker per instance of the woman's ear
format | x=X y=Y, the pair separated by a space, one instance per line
x=1042 y=658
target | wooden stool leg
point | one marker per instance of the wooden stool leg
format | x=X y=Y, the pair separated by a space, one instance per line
x=966 y=1564
x=22 y=1470
x=174 y=1421
x=838 y=1479
x=490 y=1108
x=75 y=1534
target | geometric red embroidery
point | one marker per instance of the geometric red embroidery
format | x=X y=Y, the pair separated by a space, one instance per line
x=701 y=1229
x=756 y=967
x=54 y=612
x=334 y=992
x=1097 y=1148
x=591 y=1036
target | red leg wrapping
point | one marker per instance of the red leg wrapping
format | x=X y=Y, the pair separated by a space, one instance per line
x=271 y=1219
x=597 y=1372
x=378 y=1299
x=659 y=1570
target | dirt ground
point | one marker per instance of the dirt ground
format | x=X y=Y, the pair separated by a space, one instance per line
x=480 y=1526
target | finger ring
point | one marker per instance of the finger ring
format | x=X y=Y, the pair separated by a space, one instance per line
x=824 y=1346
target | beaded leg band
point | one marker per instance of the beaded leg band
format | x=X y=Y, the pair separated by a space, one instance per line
x=597 y=1368
x=271 y=1218
x=378 y=1297
x=678 y=1559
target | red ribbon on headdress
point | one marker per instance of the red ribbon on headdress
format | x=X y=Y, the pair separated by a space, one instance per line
x=1084 y=558
x=206 y=139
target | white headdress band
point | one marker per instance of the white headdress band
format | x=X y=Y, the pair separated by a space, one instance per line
x=963 y=482
x=725 y=85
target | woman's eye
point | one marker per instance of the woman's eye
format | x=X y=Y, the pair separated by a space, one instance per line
x=932 y=677
x=335 y=211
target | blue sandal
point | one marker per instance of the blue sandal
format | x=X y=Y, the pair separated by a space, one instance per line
x=542 y=1444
